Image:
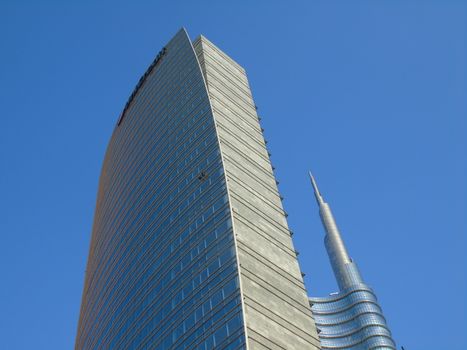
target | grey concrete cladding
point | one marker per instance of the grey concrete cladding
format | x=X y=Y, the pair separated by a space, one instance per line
x=276 y=309
x=190 y=246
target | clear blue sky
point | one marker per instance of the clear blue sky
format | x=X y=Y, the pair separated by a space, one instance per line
x=371 y=95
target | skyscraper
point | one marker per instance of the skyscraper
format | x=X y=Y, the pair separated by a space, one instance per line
x=190 y=246
x=351 y=318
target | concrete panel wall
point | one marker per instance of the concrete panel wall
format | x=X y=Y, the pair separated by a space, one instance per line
x=277 y=313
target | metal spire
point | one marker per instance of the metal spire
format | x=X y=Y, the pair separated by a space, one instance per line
x=318 y=197
x=345 y=270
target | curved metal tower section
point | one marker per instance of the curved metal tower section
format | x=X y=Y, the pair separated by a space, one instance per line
x=352 y=318
x=190 y=247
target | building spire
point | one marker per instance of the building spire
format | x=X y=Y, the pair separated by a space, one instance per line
x=345 y=270
x=318 y=197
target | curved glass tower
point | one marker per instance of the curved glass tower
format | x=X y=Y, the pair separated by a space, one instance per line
x=190 y=246
x=352 y=318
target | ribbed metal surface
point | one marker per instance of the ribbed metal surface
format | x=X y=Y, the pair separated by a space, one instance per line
x=352 y=319
x=335 y=247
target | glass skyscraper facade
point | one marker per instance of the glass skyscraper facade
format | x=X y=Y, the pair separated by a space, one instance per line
x=190 y=246
x=351 y=318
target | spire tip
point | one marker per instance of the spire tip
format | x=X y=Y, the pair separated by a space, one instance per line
x=318 y=196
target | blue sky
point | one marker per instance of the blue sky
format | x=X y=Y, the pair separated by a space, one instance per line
x=371 y=95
